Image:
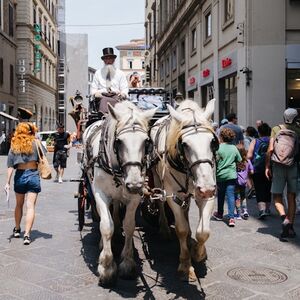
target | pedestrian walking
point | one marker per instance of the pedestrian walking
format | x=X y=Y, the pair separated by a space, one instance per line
x=249 y=136
x=227 y=157
x=257 y=154
x=244 y=170
x=23 y=157
x=281 y=166
x=61 y=146
x=232 y=124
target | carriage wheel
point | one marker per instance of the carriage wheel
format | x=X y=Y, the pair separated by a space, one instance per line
x=81 y=205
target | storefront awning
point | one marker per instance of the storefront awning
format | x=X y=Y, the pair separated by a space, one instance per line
x=5 y=115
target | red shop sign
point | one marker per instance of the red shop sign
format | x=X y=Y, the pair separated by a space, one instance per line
x=226 y=62
x=192 y=80
x=205 y=73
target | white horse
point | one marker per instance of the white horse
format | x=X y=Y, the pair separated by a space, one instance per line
x=114 y=160
x=185 y=146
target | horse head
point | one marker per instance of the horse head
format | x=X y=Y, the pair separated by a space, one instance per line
x=131 y=143
x=192 y=143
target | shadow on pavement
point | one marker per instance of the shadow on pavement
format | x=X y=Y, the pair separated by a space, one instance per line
x=160 y=255
x=36 y=234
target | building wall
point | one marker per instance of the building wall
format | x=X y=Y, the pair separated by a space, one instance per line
x=77 y=72
x=39 y=94
x=8 y=80
x=245 y=59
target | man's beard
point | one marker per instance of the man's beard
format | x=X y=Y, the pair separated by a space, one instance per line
x=108 y=72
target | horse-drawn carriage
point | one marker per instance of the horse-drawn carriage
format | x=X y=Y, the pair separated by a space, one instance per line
x=119 y=150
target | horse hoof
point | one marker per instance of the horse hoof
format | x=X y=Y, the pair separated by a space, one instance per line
x=127 y=271
x=199 y=254
x=187 y=277
x=107 y=282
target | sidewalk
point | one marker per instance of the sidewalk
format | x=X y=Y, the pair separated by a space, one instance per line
x=245 y=262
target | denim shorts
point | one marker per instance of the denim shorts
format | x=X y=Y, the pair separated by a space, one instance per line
x=27 y=181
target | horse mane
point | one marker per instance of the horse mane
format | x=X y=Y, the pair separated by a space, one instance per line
x=191 y=113
x=131 y=114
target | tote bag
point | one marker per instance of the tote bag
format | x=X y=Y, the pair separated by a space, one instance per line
x=43 y=165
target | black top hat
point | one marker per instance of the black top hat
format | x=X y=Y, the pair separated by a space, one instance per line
x=108 y=52
x=24 y=113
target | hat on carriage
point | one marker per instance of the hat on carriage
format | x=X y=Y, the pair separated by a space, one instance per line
x=108 y=52
x=24 y=114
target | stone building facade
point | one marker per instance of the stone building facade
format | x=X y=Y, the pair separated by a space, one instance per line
x=243 y=53
x=8 y=80
x=37 y=49
x=132 y=58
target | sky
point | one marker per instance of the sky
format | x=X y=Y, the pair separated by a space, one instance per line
x=98 y=12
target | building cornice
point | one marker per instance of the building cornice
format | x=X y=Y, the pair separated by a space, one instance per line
x=4 y=36
x=41 y=84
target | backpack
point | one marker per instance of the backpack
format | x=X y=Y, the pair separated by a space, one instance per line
x=259 y=160
x=285 y=147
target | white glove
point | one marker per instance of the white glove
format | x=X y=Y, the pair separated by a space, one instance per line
x=123 y=96
x=98 y=95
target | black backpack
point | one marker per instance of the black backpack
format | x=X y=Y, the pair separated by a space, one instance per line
x=259 y=159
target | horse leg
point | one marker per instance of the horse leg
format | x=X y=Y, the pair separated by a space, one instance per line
x=127 y=267
x=203 y=230
x=107 y=268
x=116 y=218
x=185 y=269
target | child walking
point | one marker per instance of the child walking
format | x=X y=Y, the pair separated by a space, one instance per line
x=227 y=157
x=244 y=169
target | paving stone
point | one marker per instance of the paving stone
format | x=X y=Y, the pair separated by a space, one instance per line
x=293 y=294
x=6 y=260
x=65 y=283
x=8 y=297
x=45 y=295
x=29 y=272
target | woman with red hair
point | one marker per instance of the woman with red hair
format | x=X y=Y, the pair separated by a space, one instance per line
x=23 y=157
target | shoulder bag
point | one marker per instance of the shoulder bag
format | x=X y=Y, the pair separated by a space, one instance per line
x=43 y=165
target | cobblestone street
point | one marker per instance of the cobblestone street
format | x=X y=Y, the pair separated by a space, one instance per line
x=245 y=262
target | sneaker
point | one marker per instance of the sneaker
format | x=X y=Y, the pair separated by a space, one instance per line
x=217 y=216
x=231 y=223
x=27 y=240
x=245 y=215
x=238 y=216
x=286 y=225
x=262 y=215
x=60 y=180
x=16 y=232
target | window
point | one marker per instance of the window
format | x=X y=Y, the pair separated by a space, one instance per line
x=194 y=40
x=1 y=15
x=228 y=10
x=167 y=67
x=162 y=71
x=10 y=20
x=12 y=75
x=1 y=71
x=174 y=59
x=208 y=25
x=182 y=50
x=34 y=14
x=45 y=29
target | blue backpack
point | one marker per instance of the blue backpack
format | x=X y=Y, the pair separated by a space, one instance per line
x=259 y=159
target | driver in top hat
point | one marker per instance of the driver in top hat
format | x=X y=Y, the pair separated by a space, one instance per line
x=109 y=82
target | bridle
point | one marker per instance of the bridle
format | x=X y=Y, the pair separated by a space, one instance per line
x=135 y=127
x=180 y=163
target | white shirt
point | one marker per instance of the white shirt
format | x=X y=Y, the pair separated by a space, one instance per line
x=119 y=83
